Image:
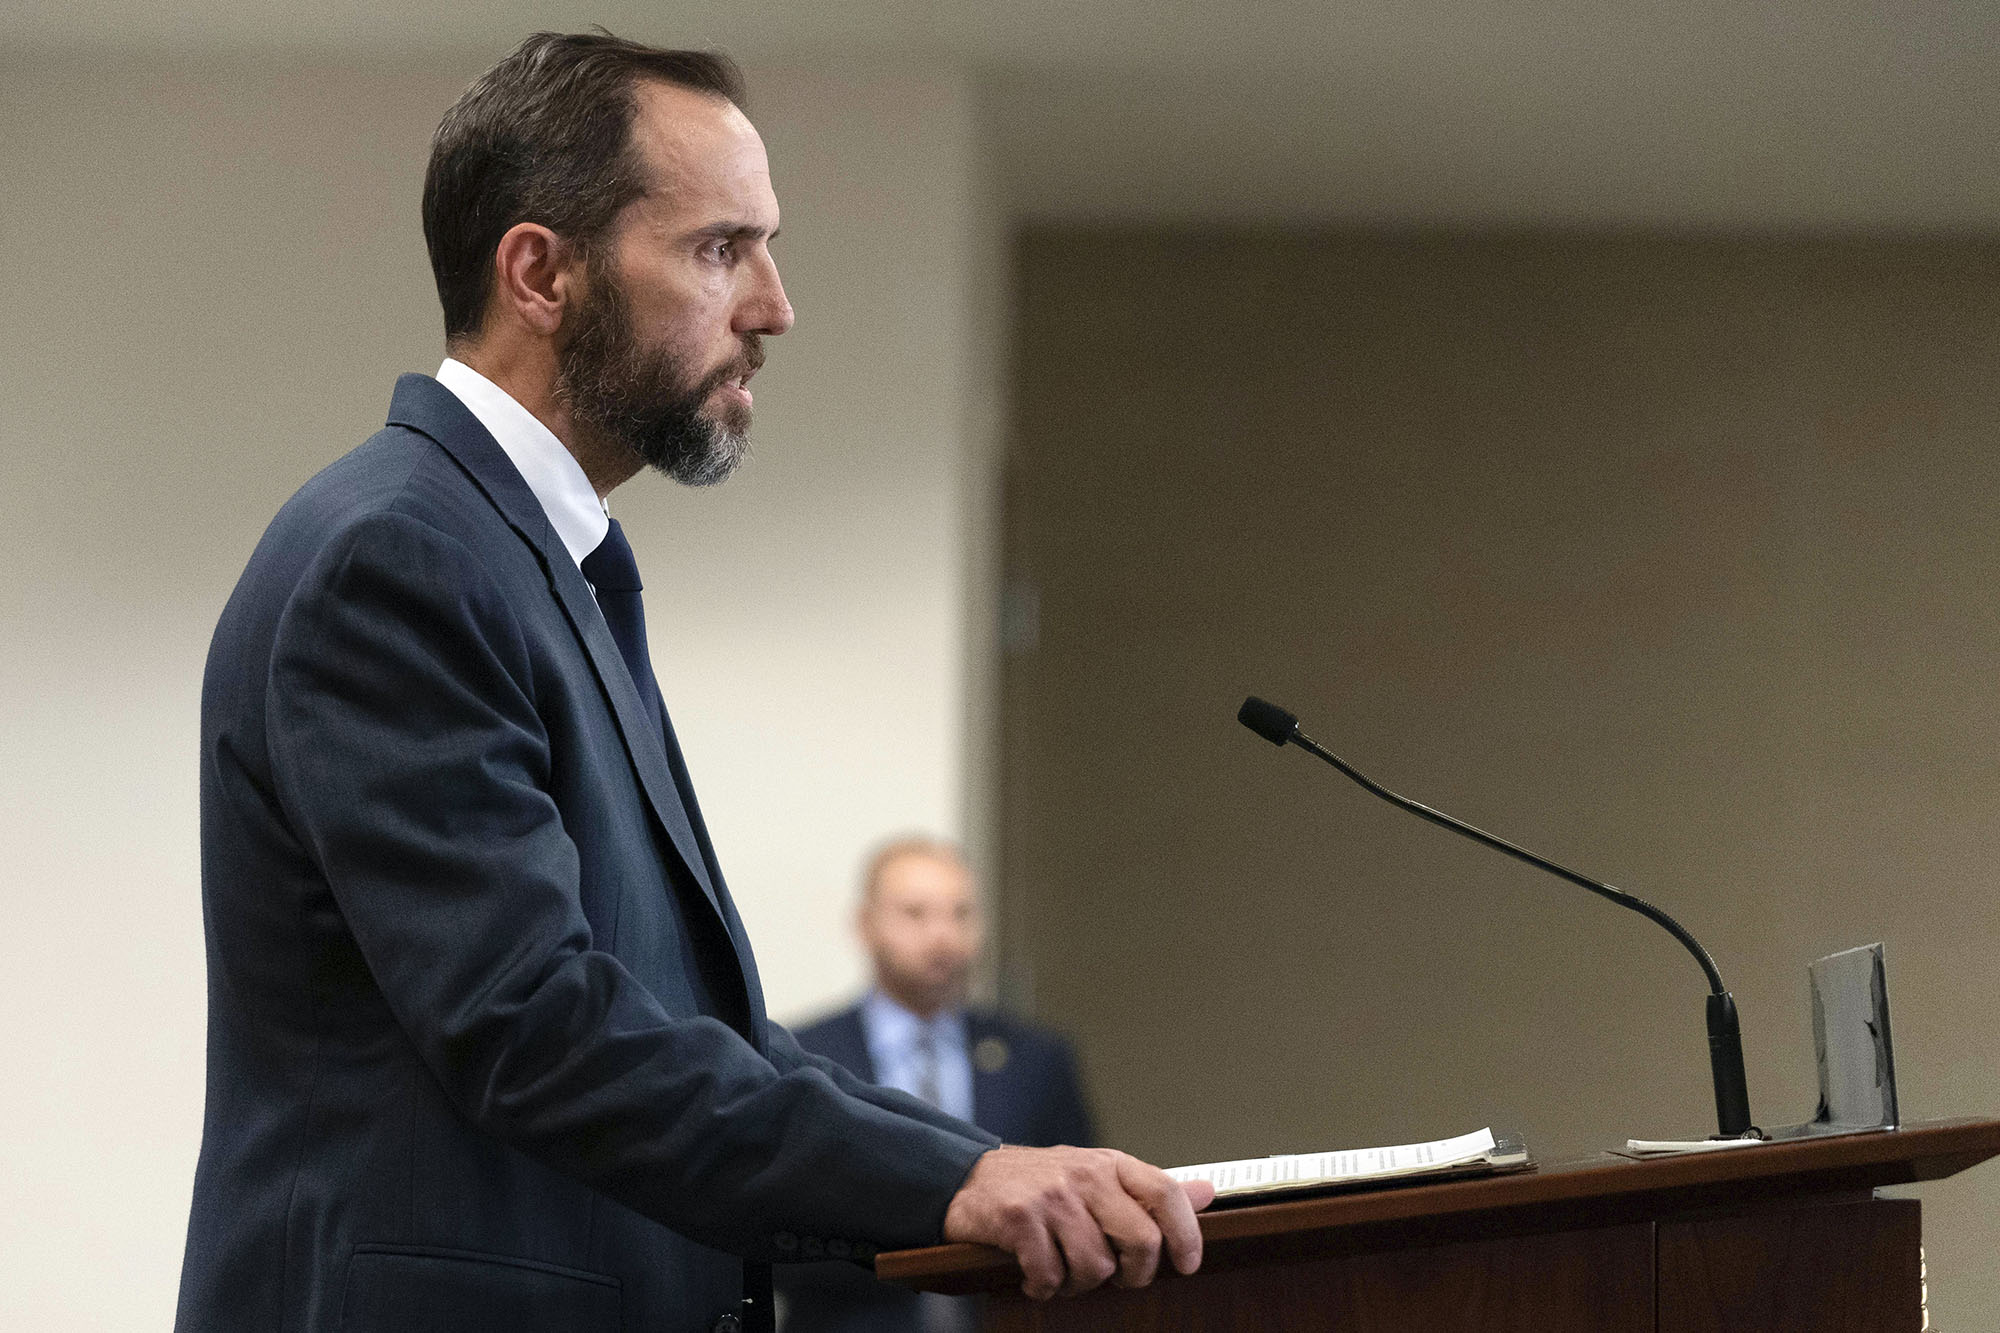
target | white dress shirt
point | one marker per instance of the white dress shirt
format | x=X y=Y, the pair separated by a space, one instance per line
x=543 y=461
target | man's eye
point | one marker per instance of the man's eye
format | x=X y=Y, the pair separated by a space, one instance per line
x=721 y=251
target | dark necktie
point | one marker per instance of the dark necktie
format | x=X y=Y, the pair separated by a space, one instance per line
x=614 y=575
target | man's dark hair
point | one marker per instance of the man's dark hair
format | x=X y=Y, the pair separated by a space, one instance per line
x=545 y=136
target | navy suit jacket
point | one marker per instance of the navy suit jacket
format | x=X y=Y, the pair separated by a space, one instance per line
x=1026 y=1091
x=487 y=1047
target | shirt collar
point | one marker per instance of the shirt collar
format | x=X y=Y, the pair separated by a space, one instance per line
x=543 y=461
x=890 y=1026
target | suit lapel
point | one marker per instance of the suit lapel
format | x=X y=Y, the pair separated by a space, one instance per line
x=645 y=741
x=850 y=1031
x=987 y=1089
x=1005 y=1093
x=698 y=831
x=424 y=405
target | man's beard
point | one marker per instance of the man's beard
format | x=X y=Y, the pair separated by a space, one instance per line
x=640 y=399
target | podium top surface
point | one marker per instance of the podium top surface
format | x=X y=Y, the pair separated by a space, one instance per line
x=1603 y=1190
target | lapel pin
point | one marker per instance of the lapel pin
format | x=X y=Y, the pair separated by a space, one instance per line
x=989 y=1056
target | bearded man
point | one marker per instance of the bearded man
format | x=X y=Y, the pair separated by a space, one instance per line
x=919 y=920
x=487 y=1048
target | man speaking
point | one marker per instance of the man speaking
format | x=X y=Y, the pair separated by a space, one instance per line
x=487 y=1048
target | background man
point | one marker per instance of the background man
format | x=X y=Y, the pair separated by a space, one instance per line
x=487 y=1046
x=919 y=920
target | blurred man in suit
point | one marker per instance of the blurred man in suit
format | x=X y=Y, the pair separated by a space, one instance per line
x=487 y=1049
x=919 y=920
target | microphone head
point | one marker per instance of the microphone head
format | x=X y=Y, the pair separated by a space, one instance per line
x=1271 y=722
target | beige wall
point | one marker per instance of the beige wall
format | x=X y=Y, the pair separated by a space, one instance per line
x=215 y=273
x=1674 y=559
x=1729 y=564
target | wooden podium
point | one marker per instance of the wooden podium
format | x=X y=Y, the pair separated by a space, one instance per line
x=1770 y=1239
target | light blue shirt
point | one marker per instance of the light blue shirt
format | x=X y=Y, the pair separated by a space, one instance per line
x=892 y=1033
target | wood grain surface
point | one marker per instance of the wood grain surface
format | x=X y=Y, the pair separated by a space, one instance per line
x=1602 y=1191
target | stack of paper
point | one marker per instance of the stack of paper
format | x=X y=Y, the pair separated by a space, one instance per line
x=1670 y=1147
x=1350 y=1166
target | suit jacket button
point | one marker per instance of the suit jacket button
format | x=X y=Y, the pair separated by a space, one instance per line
x=838 y=1249
x=785 y=1241
x=812 y=1247
x=729 y=1323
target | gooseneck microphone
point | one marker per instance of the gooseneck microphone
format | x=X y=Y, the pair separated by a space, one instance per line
x=1725 y=1032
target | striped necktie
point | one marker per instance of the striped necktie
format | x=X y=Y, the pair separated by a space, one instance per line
x=929 y=1086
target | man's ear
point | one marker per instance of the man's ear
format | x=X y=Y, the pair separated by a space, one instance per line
x=536 y=278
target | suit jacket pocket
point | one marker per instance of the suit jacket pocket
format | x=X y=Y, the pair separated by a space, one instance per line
x=418 y=1289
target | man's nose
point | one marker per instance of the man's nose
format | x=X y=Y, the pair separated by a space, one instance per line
x=768 y=311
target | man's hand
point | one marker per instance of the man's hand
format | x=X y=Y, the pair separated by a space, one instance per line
x=1075 y=1217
